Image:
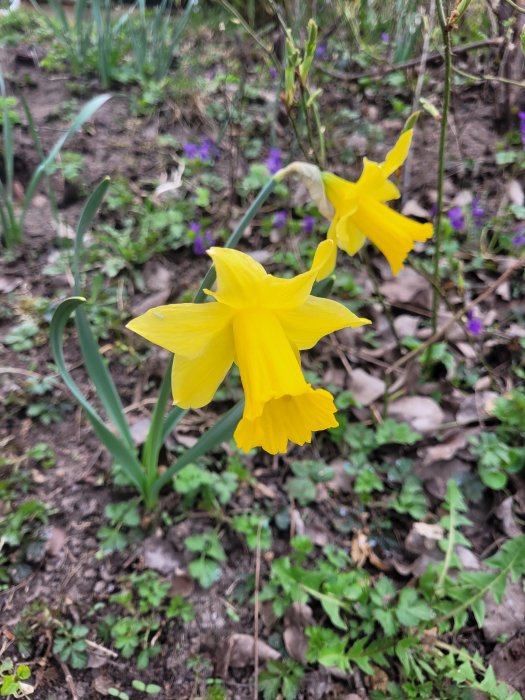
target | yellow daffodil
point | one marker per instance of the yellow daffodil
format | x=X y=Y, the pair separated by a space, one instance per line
x=358 y=210
x=260 y=322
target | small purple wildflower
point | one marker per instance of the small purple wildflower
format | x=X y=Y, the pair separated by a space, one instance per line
x=202 y=243
x=519 y=240
x=521 y=116
x=308 y=225
x=195 y=227
x=478 y=212
x=456 y=218
x=280 y=218
x=385 y=37
x=273 y=72
x=320 y=51
x=191 y=150
x=274 y=162
x=199 y=247
x=474 y=325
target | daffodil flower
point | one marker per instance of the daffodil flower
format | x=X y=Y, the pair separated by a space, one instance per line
x=358 y=210
x=260 y=322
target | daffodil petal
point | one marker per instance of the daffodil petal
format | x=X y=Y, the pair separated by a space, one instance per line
x=326 y=256
x=340 y=192
x=194 y=381
x=239 y=277
x=266 y=359
x=315 y=319
x=393 y=233
x=183 y=329
x=288 y=418
x=349 y=237
x=397 y=156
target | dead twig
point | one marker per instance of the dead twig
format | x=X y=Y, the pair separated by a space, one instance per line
x=69 y=679
x=441 y=331
x=412 y=63
x=256 y=615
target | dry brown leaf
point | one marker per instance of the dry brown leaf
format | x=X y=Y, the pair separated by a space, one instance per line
x=160 y=555
x=505 y=514
x=507 y=662
x=507 y=617
x=423 y=537
x=139 y=430
x=57 y=538
x=241 y=651
x=475 y=408
x=446 y=450
x=182 y=584
x=341 y=481
x=420 y=412
x=408 y=288
x=365 y=387
x=296 y=643
x=515 y=192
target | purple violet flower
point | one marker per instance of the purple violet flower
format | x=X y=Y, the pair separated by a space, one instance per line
x=191 y=150
x=385 y=37
x=199 y=247
x=320 y=51
x=308 y=225
x=456 y=218
x=474 y=325
x=274 y=162
x=521 y=116
x=478 y=212
x=273 y=72
x=195 y=227
x=280 y=218
x=519 y=240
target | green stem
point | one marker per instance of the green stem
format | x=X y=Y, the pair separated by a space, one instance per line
x=232 y=241
x=308 y=123
x=445 y=30
x=320 y=132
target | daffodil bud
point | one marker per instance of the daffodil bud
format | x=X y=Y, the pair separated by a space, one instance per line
x=312 y=179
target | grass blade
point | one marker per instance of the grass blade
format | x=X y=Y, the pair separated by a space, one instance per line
x=85 y=113
x=126 y=457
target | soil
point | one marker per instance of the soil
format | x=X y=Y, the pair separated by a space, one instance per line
x=65 y=577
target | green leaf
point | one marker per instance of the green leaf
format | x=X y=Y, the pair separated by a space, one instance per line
x=411 y=609
x=205 y=571
x=85 y=113
x=120 y=451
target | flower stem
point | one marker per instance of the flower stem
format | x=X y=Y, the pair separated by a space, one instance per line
x=232 y=241
x=445 y=31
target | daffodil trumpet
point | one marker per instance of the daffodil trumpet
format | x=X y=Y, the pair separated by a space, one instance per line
x=260 y=323
x=358 y=211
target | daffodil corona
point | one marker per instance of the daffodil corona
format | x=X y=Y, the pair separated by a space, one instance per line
x=260 y=322
x=358 y=210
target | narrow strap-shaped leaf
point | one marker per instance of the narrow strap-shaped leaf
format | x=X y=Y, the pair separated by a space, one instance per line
x=8 y=142
x=125 y=456
x=101 y=378
x=86 y=217
x=172 y=419
x=154 y=440
x=222 y=430
x=85 y=113
x=95 y=365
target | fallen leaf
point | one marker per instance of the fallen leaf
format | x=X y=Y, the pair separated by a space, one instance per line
x=365 y=387
x=507 y=617
x=413 y=208
x=296 y=643
x=160 y=555
x=157 y=277
x=436 y=475
x=406 y=324
x=341 y=480
x=420 y=412
x=423 y=537
x=475 y=408
x=507 y=662
x=56 y=539
x=515 y=192
x=505 y=514
x=445 y=450
x=139 y=430
x=182 y=584
x=240 y=652
x=407 y=288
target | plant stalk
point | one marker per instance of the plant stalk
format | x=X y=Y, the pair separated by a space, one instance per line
x=445 y=31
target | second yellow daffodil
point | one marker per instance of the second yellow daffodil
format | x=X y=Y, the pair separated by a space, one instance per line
x=260 y=322
x=358 y=211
